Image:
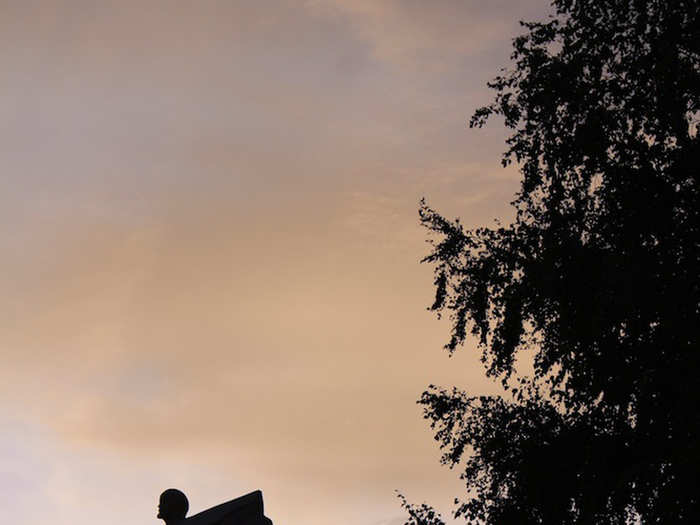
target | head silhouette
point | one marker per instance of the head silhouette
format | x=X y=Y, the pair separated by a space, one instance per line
x=173 y=506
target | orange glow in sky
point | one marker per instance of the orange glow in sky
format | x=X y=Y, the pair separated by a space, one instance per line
x=210 y=240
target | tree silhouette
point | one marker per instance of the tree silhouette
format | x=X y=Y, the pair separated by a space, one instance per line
x=595 y=283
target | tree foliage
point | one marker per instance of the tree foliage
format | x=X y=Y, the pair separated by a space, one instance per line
x=596 y=281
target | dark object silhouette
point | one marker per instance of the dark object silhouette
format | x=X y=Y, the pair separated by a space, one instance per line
x=246 y=510
x=596 y=282
x=172 y=506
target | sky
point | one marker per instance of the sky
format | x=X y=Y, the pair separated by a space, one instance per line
x=210 y=249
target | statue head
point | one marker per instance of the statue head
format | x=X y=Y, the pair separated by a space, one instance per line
x=173 y=506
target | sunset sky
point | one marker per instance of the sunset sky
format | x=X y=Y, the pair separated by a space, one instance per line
x=210 y=249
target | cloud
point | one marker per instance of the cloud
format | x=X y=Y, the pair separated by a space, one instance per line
x=430 y=34
x=210 y=239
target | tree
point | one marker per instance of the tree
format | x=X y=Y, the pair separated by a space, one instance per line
x=595 y=283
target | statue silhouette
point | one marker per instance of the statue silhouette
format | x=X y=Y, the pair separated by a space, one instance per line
x=173 y=506
x=246 y=510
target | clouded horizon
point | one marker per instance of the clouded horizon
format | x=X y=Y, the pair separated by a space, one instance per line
x=211 y=249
